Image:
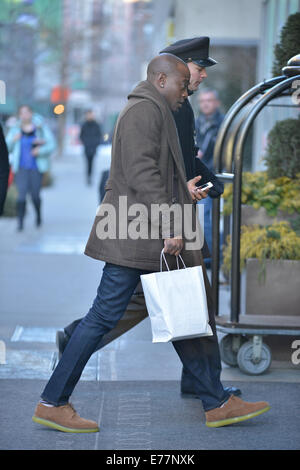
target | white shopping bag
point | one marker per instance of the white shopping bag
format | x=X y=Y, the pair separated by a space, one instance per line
x=176 y=303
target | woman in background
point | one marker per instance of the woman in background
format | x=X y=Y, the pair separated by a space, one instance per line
x=30 y=143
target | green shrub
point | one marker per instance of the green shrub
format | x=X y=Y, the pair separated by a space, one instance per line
x=295 y=224
x=276 y=241
x=283 y=149
x=289 y=44
x=278 y=188
x=258 y=190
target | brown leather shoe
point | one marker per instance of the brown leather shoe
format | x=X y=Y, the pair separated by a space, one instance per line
x=63 y=418
x=233 y=411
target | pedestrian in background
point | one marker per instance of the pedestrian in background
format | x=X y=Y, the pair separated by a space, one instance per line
x=207 y=125
x=4 y=170
x=30 y=143
x=91 y=137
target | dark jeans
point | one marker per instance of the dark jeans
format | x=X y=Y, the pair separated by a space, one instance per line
x=208 y=208
x=200 y=356
x=28 y=181
x=89 y=156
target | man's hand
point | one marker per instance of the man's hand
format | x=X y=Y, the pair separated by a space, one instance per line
x=196 y=193
x=173 y=246
x=200 y=154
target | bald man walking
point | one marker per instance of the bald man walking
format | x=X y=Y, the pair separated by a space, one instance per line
x=146 y=156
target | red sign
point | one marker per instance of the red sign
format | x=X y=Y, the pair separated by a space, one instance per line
x=59 y=94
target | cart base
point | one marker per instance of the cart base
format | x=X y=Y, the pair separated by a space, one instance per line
x=243 y=344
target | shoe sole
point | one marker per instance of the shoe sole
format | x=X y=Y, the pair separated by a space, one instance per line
x=189 y=395
x=193 y=395
x=59 y=427
x=238 y=419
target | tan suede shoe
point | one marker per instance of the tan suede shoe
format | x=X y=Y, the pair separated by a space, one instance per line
x=63 y=418
x=234 y=411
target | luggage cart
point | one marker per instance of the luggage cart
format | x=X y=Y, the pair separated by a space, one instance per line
x=243 y=344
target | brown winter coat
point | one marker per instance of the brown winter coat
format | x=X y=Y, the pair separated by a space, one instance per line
x=145 y=150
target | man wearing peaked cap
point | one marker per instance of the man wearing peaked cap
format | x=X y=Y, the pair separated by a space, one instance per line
x=195 y=52
x=192 y=50
x=144 y=152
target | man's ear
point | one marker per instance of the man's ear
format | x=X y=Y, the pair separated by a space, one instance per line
x=161 y=79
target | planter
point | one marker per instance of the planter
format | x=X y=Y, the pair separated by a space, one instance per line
x=251 y=216
x=277 y=293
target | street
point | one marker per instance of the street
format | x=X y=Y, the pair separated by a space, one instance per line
x=131 y=386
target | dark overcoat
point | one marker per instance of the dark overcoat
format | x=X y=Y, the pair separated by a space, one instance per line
x=185 y=122
x=90 y=135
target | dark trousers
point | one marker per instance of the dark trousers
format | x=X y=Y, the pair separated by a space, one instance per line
x=200 y=356
x=208 y=235
x=90 y=153
x=135 y=313
x=28 y=182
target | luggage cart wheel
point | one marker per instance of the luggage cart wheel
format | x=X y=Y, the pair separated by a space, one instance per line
x=254 y=357
x=229 y=346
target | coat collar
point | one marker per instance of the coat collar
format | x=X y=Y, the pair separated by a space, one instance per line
x=145 y=90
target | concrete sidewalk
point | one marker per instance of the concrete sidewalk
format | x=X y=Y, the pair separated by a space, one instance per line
x=45 y=283
x=149 y=415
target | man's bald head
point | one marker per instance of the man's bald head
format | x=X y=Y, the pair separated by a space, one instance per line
x=170 y=76
x=164 y=63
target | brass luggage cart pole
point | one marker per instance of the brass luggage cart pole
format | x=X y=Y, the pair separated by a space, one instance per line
x=274 y=92
x=253 y=357
x=228 y=177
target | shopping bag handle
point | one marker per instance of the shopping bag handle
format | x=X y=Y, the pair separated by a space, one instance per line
x=179 y=256
x=163 y=257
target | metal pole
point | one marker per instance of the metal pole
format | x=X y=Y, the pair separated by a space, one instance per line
x=215 y=253
x=238 y=163
x=234 y=110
